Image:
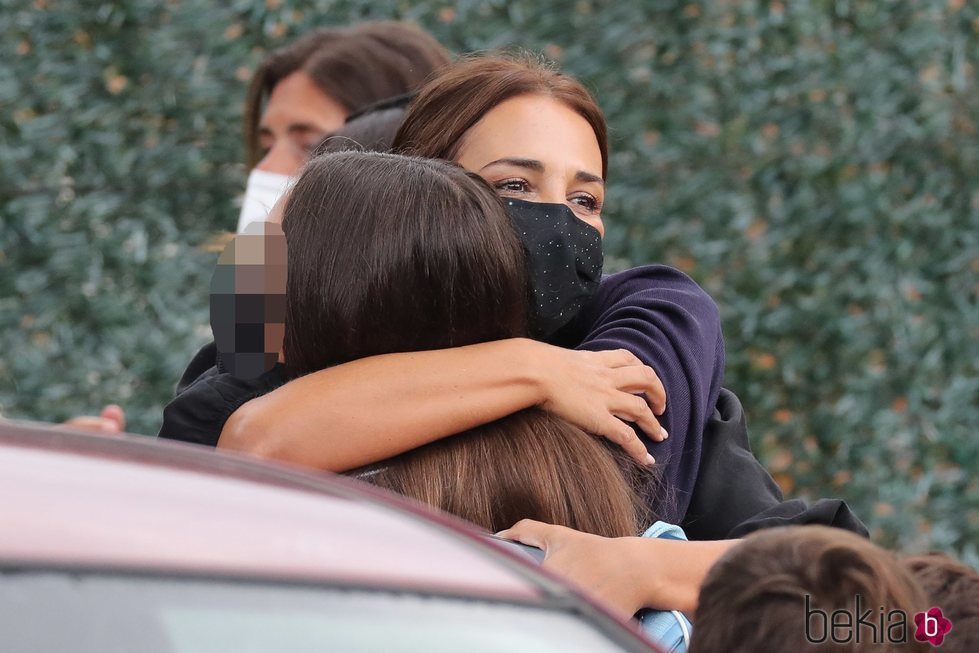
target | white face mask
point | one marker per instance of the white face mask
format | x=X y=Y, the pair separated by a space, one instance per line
x=261 y=193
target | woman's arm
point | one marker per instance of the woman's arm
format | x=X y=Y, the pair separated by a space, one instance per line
x=670 y=323
x=371 y=409
x=627 y=573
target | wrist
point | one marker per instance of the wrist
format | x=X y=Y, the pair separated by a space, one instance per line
x=667 y=572
x=531 y=368
x=648 y=573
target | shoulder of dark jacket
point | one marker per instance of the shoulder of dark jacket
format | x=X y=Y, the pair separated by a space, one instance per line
x=205 y=358
x=199 y=412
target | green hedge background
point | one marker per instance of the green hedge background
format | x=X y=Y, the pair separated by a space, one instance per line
x=812 y=163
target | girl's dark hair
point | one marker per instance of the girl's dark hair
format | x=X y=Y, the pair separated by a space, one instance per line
x=393 y=254
x=455 y=100
x=356 y=66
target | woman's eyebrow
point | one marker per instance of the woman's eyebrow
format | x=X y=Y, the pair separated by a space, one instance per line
x=587 y=177
x=537 y=166
x=530 y=164
x=293 y=128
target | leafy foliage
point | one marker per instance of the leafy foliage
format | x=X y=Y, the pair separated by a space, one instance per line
x=811 y=163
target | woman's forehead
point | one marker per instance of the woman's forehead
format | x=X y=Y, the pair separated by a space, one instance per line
x=532 y=127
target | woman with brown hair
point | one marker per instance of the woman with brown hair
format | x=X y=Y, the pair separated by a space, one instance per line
x=423 y=394
x=299 y=94
x=307 y=89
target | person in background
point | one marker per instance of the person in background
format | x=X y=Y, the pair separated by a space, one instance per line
x=372 y=129
x=301 y=93
x=307 y=90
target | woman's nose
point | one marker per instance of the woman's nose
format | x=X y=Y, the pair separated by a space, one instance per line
x=551 y=194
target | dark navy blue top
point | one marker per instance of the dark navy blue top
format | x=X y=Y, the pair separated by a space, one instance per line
x=670 y=323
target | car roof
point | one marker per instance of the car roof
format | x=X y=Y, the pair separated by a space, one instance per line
x=80 y=500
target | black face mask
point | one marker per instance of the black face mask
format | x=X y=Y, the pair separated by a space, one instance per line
x=564 y=256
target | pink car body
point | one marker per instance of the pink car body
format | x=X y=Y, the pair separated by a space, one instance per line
x=131 y=507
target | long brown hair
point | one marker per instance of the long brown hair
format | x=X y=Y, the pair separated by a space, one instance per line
x=356 y=66
x=455 y=100
x=391 y=254
x=527 y=465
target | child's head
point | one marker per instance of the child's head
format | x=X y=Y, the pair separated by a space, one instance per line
x=389 y=253
x=953 y=587
x=529 y=465
x=787 y=589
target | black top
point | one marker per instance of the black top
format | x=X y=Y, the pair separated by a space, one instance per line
x=207 y=395
x=735 y=495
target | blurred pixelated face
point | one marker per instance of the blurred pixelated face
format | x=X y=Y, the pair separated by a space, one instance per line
x=536 y=148
x=248 y=300
x=297 y=117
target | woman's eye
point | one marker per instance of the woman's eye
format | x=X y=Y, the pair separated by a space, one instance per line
x=586 y=201
x=512 y=186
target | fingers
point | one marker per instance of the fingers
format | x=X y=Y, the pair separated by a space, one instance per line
x=649 y=425
x=633 y=408
x=114 y=413
x=529 y=532
x=618 y=358
x=632 y=375
x=96 y=424
x=642 y=379
x=617 y=431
